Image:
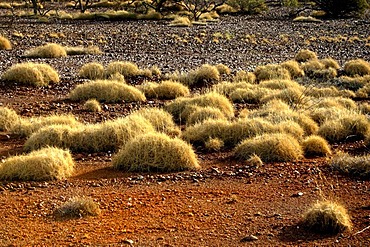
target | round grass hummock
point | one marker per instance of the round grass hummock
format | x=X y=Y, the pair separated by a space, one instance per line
x=77 y=207
x=270 y=148
x=315 y=146
x=357 y=67
x=156 y=152
x=51 y=50
x=92 y=71
x=31 y=74
x=45 y=164
x=271 y=71
x=125 y=68
x=327 y=217
x=305 y=55
x=92 y=105
x=5 y=43
x=164 y=90
x=8 y=118
x=107 y=91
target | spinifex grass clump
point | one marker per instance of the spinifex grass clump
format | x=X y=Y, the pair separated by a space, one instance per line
x=77 y=207
x=327 y=217
x=125 y=68
x=107 y=136
x=5 y=43
x=315 y=146
x=200 y=114
x=107 y=91
x=34 y=74
x=44 y=164
x=51 y=50
x=92 y=105
x=92 y=71
x=305 y=55
x=203 y=75
x=8 y=118
x=179 y=108
x=271 y=71
x=156 y=152
x=354 y=165
x=293 y=67
x=72 y=51
x=164 y=90
x=357 y=67
x=270 y=148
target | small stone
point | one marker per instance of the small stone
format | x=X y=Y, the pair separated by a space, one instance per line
x=249 y=238
x=128 y=241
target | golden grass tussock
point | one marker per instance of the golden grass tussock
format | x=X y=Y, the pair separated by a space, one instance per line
x=327 y=217
x=178 y=107
x=292 y=128
x=180 y=21
x=357 y=67
x=278 y=147
x=280 y=84
x=92 y=105
x=363 y=107
x=304 y=55
x=330 y=63
x=306 y=19
x=223 y=69
x=29 y=73
x=79 y=50
x=125 y=68
x=45 y=164
x=77 y=207
x=250 y=96
x=161 y=120
x=227 y=88
x=364 y=92
x=156 y=152
x=51 y=50
x=293 y=67
x=214 y=144
x=271 y=71
x=314 y=145
x=322 y=92
x=107 y=91
x=202 y=75
x=8 y=118
x=107 y=136
x=352 y=165
x=27 y=126
x=92 y=71
x=164 y=90
x=5 y=44
x=338 y=102
x=322 y=114
x=244 y=76
x=351 y=126
x=200 y=114
x=291 y=96
x=352 y=83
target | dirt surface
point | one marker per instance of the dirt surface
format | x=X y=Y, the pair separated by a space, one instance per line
x=222 y=204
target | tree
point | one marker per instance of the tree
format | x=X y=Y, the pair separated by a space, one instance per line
x=341 y=8
x=198 y=7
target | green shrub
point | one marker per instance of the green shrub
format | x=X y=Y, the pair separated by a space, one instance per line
x=156 y=152
x=327 y=217
x=357 y=67
x=106 y=90
x=44 y=164
x=77 y=207
x=164 y=90
x=31 y=74
x=271 y=71
x=47 y=51
x=8 y=118
x=339 y=8
x=92 y=71
x=354 y=165
x=270 y=147
x=5 y=43
x=315 y=146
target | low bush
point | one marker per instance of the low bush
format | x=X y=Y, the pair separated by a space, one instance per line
x=305 y=55
x=44 y=164
x=164 y=90
x=8 y=118
x=92 y=105
x=92 y=71
x=346 y=127
x=77 y=207
x=315 y=146
x=271 y=71
x=353 y=165
x=156 y=152
x=107 y=91
x=125 y=68
x=327 y=217
x=200 y=114
x=31 y=74
x=47 y=51
x=357 y=67
x=27 y=126
x=270 y=148
x=5 y=43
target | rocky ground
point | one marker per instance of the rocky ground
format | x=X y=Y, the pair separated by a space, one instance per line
x=226 y=202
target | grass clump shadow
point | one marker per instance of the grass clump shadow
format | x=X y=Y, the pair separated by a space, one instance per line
x=353 y=165
x=41 y=165
x=156 y=152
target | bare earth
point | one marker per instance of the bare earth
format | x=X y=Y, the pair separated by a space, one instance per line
x=222 y=204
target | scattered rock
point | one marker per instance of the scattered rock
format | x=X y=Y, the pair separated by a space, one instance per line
x=249 y=238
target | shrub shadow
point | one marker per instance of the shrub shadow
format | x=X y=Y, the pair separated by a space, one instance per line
x=299 y=234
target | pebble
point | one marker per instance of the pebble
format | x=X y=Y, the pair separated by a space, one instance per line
x=249 y=238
